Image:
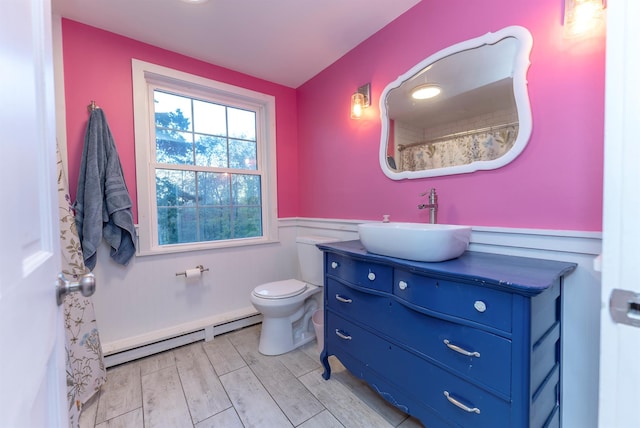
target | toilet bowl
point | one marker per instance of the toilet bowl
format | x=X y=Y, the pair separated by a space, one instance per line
x=287 y=306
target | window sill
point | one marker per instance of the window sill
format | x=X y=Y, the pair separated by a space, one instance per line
x=202 y=246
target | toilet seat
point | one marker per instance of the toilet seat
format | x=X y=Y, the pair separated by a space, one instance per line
x=280 y=289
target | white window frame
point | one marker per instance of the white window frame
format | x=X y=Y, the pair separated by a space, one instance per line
x=147 y=77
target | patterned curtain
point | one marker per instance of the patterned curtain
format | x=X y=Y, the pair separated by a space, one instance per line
x=464 y=150
x=85 y=365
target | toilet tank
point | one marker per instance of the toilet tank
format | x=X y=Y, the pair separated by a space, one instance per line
x=310 y=257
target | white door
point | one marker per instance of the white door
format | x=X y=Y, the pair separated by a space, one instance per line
x=32 y=374
x=620 y=343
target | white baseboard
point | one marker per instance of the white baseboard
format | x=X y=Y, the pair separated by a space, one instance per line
x=159 y=341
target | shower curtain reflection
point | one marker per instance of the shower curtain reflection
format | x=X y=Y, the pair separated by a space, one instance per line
x=460 y=150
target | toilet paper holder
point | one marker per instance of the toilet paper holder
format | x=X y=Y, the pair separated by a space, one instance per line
x=199 y=267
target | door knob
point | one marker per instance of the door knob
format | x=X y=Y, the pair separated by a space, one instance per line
x=86 y=285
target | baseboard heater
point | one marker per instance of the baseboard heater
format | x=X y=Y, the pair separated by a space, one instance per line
x=207 y=333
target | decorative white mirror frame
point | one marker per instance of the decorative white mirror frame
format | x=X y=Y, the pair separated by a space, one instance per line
x=521 y=65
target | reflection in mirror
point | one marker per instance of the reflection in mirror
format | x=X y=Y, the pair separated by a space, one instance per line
x=475 y=114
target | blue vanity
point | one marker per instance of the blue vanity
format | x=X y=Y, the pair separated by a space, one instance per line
x=470 y=342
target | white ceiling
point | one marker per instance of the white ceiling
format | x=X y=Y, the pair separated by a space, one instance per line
x=282 y=41
x=475 y=81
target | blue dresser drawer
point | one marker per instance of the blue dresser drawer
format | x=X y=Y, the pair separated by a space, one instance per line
x=359 y=306
x=344 y=336
x=427 y=335
x=429 y=384
x=363 y=274
x=450 y=343
x=482 y=305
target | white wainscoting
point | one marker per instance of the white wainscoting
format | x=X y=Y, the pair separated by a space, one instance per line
x=146 y=304
x=144 y=308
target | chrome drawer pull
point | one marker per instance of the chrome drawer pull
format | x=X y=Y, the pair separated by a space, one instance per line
x=402 y=285
x=334 y=265
x=460 y=350
x=339 y=298
x=341 y=335
x=460 y=405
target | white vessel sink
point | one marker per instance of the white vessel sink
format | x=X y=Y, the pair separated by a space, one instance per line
x=415 y=241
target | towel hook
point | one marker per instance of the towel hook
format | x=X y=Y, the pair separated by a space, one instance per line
x=91 y=107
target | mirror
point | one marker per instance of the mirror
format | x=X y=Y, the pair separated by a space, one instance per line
x=481 y=118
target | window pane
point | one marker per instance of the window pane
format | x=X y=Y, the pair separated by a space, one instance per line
x=172 y=111
x=209 y=118
x=196 y=206
x=211 y=151
x=177 y=225
x=174 y=147
x=242 y=154
x=214 y=189
x=246 y=189
x=175 y=188
x=215 y=224
x=242 y=124
x=247 y=222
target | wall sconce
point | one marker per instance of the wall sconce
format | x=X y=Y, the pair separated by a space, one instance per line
x=360 y=100
x=582 y=16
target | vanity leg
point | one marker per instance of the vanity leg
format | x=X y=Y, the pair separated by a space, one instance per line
x=324 y=359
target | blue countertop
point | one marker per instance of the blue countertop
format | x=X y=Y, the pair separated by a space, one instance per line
x=524 y=275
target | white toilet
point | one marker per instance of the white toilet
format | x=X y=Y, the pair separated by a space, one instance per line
x=287 y=306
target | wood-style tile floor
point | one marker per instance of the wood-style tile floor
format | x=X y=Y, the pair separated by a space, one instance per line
x=227 y=383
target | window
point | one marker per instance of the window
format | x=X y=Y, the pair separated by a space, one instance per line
x=205 y=162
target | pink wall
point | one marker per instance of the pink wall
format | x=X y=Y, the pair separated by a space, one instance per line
x=556 y=183
x=328 y=163
x=97 y=66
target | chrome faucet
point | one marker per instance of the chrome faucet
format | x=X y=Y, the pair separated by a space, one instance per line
x=432 y=205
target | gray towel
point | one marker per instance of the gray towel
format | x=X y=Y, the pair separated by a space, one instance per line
x=103 y=205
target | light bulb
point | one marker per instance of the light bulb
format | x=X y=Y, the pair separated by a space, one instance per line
x=424 y=92
x=357 y=105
